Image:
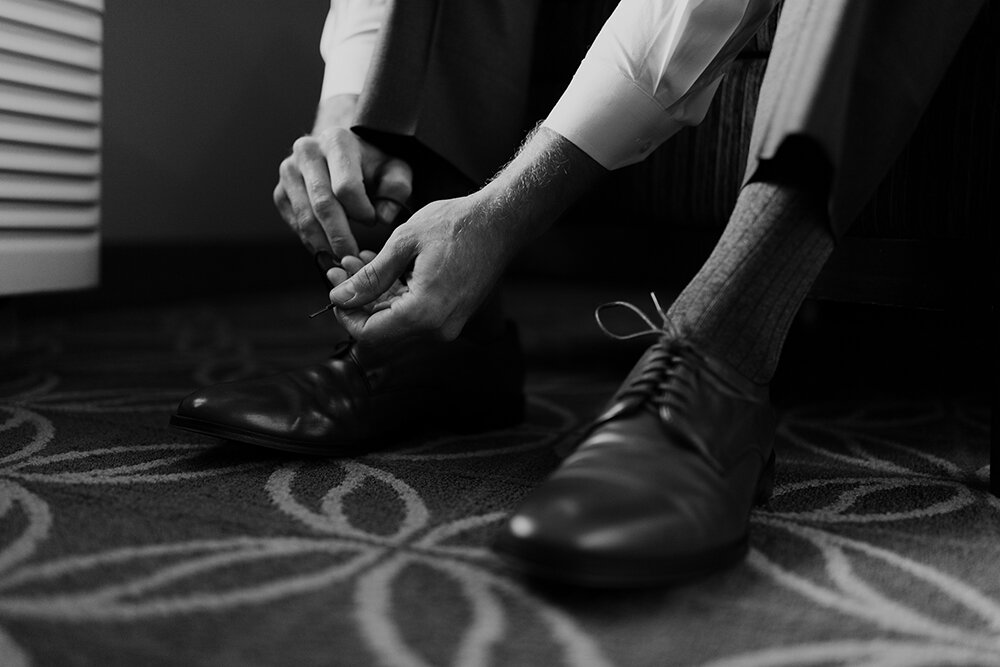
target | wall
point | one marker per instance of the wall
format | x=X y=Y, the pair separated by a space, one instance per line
x=203 y=99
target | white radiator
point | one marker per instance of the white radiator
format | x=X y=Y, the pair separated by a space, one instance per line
x=50 y=140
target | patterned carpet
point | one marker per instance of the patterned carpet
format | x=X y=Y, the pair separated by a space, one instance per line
x=123 y=542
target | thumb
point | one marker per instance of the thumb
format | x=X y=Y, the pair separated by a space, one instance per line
x=374 y=278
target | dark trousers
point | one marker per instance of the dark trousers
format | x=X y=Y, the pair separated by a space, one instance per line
x=451 y=77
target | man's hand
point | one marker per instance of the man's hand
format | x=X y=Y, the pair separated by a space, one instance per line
x=350 y=265
x=333 y=177
x=456 y=257
x=438 y=267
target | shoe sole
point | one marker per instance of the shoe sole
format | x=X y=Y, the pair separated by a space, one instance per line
x=620 y=575
x=251 y=438
x=343 y=448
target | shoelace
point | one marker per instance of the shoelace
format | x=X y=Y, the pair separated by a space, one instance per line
x=659 y=383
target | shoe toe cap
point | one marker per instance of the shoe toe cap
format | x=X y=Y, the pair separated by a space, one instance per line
x=288 y=411
x=597 y=531
x=213 y=403
x=240 y=406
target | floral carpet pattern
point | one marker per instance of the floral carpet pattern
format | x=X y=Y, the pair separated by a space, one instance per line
x=124 y=542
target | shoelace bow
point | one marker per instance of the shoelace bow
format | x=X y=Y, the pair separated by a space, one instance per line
x=658 y=382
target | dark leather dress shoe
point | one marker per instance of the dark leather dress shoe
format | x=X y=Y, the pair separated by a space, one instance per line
x=661 y=486
x=354 y=403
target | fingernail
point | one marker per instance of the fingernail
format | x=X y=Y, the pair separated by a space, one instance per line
x=343 y=294
x=326 y=260
x=386 y=211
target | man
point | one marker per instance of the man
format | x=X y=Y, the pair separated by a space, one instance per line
x=426 y=96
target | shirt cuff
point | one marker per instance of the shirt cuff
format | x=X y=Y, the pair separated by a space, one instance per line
x=347 y=66
x=606 y=115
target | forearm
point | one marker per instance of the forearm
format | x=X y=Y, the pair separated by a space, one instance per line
x=548 y=174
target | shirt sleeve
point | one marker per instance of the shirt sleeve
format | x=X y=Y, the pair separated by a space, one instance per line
x=652 y=69
x=348 y=43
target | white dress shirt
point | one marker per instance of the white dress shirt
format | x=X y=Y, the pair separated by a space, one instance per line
x=652 y=69
x=348 y=43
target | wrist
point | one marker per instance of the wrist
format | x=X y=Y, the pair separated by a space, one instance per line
x=336 y=111
x=501 y=221
x=547 y=175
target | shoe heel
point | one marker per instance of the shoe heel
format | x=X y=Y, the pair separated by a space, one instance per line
x=765 y=485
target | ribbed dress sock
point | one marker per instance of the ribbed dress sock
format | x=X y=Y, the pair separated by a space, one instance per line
x=742 y=302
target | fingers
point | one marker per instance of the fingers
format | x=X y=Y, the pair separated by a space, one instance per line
x=327 y=209
x=354 y=322
x=394 y=186
x=336 y=276
x=293 y=204
x=324 y=186
x=402 y=317
x=305 y=170
x=395 y=315
x=374 y=278
x=348 y=267
x=391 y=322
x=305 y=201
x=343 y=153
x=352 y=264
